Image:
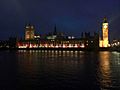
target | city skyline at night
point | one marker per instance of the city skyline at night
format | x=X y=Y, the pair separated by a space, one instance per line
x=60 y=44
x=71 y=17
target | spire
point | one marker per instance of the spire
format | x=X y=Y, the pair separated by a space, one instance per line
x=104 y=20
x=55 y=30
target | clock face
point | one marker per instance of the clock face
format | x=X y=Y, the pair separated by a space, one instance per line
x=105 y=26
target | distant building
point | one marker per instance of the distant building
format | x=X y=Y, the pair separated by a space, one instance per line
x=58 y=40
x=55 y=35
x=12 y=42
x=88 y=42
x=36 y=36
x=103 y=39
x=29 y=32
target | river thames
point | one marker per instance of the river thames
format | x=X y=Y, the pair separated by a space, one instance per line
x=47 y=69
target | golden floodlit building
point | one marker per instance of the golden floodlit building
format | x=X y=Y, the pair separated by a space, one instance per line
x=104 y=40
x=29 y=32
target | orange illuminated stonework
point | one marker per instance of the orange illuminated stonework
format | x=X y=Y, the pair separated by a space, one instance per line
x=29 y=32
x=104 y=41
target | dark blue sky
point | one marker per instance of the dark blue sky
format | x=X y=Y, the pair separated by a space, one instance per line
x=70 y=16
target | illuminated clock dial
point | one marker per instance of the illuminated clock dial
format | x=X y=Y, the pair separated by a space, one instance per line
x=105 y=26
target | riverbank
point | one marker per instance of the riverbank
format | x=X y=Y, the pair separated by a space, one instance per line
x=67 y=49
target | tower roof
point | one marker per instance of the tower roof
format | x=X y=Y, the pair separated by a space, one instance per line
x=30 y=26
x=105 y=20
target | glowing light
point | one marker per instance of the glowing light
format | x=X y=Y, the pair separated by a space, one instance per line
x=27 y=26
x=118 y=43
x=64 y=46
x=70 y=46
x=22 y=46
x=37 y=36
x=31 y=46
x=108 y=45
x=75 y=46
x=35 y=46
x=56 y=46
x=46 y=45
x=51 y=45
x=82 y=46
x=105 y=25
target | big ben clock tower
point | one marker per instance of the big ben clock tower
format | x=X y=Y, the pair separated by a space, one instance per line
x=105 y=33
x=104 y=41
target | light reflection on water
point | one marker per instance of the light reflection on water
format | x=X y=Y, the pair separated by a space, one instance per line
x=75 y=66
x=52 y=69
x=105 y=71
x=56 y=68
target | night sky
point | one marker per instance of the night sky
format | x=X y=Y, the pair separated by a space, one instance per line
x=70 y=16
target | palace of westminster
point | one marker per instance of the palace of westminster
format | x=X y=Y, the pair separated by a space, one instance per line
x=59 y=40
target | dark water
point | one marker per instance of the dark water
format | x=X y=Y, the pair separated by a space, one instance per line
x=58 y=70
